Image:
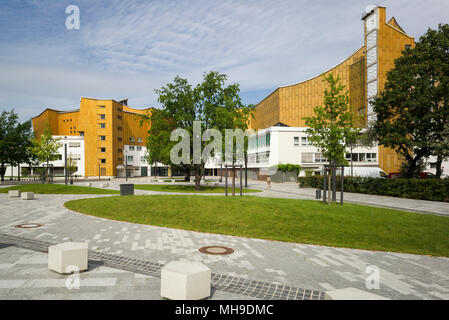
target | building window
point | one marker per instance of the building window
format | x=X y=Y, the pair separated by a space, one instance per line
x=102 y=125
x=120 y=159
x=407 y=47
x=103 y=160
x=59 y=156
x=371 y=157
x=102 y=116
x=320 y=158
x=139 y=140
x=307 y=157
x=119 y=139
x=119 y=109
x=119 y=117
x=296 y=141
x=305 y=142
x=103 y=149
x=130 y=158
x=74 y=144
x=102 y=138
x=119 y=150
x=142 y=159
x=102 y=107
x=131 y=139
x=131 y=148
x=119 y=128
x=139 y=148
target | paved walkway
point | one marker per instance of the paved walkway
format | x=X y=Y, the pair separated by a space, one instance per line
x=402 y=276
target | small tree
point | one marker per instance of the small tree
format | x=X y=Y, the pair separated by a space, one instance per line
x=71 y=165
x=332 y=128
x=46 y=147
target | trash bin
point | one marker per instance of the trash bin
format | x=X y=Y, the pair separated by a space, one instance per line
x=71 y=181
x=318 y=194
x=127 y=189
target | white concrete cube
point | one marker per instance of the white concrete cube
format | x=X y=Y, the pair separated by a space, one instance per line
x=104 y=185
x=14 y=193
x=173 y=180
x=216 y=183
x=160 y=180
x=68 y=257
x=88 y=184
x=352 y=294
x=185 y=280
x=27 y=195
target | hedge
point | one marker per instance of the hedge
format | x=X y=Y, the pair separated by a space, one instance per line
x=423 y=189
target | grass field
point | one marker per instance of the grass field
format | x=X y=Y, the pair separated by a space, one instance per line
x=58 y=189
x=301 y=221
x=189 y=188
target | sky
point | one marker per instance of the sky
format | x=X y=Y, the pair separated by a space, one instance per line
x=129 y=48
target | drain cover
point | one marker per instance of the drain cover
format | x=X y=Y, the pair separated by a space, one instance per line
x=217 y=250
x=28 y=225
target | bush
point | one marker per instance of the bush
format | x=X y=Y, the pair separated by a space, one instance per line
x=423 y=189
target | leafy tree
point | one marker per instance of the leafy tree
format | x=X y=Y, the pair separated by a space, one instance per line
x=212 y=102
x=413 y=108
x=332 y=128
x=71 y=165
x=45 y=148
x=14 y=141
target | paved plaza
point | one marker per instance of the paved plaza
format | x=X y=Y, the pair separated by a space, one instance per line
x=23 y=273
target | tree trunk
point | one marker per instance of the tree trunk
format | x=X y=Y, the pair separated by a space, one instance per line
x=187 y=174
x=411 y=168
x=197 y=178
x=18 y=172
x=329 y=187
x=438 y=166
x=3 y=171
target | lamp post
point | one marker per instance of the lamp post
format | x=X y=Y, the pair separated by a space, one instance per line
x=126 y=166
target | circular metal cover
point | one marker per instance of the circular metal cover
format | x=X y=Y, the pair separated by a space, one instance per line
x=28 y=225
x=216 y=250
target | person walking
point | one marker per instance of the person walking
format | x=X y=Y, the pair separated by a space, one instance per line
x=269 y=182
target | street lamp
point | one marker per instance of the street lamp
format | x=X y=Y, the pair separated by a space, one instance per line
x=126 y=166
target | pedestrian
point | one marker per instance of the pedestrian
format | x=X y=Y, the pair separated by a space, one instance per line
x=269 y=182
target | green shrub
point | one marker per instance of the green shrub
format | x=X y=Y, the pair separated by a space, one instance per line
x=423 y=189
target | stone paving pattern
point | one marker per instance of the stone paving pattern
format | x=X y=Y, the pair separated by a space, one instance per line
x=402 y=276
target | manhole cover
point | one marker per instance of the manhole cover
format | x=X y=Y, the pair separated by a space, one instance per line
x=28 y=225
x=216 y=250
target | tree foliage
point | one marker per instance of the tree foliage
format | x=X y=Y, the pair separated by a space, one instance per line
x=332 y=127
x=414 y=105
x=212 y=102
x=45 y=148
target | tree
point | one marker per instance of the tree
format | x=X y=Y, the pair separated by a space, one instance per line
x=14 y=141
x=71 y=165
x=441 y=148
x=45 y=148
x=332 y=128
x=413 y=107
x=211 y=102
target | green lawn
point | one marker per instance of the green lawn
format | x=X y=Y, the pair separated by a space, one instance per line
x=301 y=221
x=58 y=189
x=189 y=188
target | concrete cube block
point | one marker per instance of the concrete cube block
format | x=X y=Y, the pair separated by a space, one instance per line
x=68 y=257
x=88 y=184
x=104 y=185
x=352 y=294
x=173 y=180
x=185 y=280
x=14 y=193
x=27 y=195
x=160 y=180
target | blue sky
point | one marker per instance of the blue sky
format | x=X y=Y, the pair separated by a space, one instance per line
x=128 y=48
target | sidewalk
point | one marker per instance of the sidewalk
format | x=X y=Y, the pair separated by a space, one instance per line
x=402 y=276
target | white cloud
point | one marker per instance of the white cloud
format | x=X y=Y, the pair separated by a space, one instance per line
x=129 y=48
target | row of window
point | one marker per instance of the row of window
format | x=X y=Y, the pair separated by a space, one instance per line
x=362 y=157
x=312 y=157
x=131 y=148
x=304 y=142
x=131 y=139
x=131 y=158
x=104 y=107
x=259 y=141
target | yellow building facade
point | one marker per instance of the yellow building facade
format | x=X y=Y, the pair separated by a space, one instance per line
x=363 y=74
x=106 y=127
